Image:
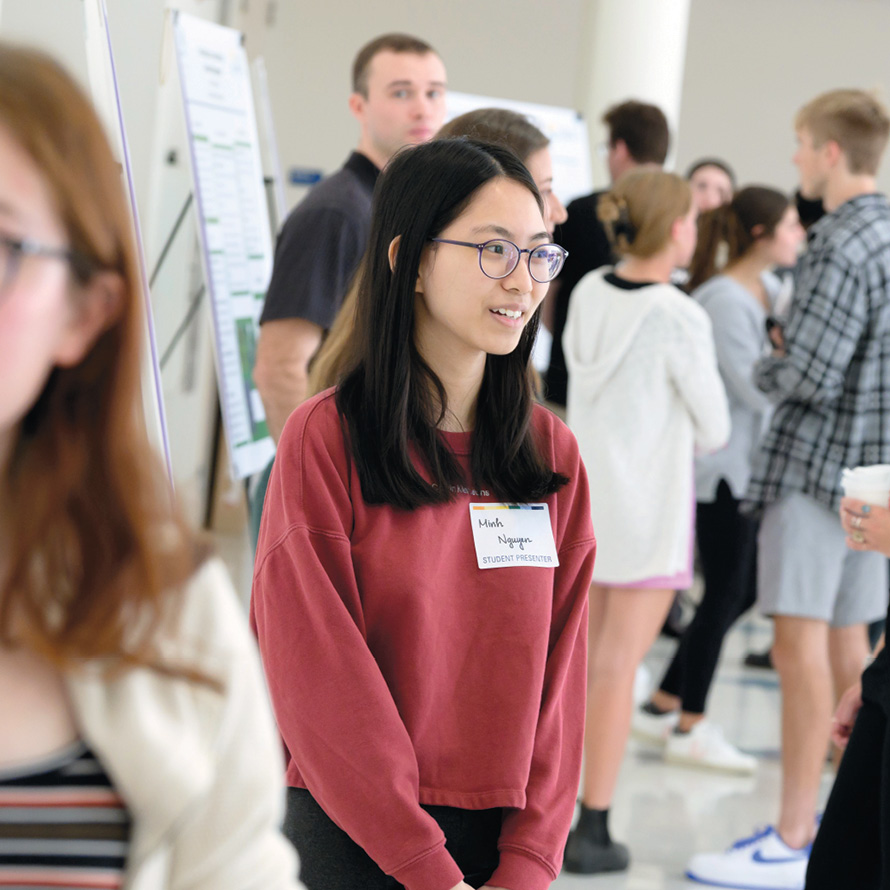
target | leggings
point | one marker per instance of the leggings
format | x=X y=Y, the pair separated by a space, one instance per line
x=727 y=547
x=853 y=842
x=331 y=860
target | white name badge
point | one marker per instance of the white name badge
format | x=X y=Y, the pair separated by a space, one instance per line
x=513 y=535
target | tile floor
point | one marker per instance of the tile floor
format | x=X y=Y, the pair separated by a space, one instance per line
x=666 y=813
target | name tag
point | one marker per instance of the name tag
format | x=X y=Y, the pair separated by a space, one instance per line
x=513 y=535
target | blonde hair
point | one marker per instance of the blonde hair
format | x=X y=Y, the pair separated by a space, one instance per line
x=641 y=209
x=338 y=352
x=855 y=120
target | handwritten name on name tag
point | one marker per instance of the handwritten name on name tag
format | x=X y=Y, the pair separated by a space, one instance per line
x=513 y=535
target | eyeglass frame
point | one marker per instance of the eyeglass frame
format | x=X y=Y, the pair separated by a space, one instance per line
x=19 y=248
x=520 y=252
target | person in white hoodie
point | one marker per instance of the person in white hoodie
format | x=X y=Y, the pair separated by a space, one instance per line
x=137 y=746
x=644 y=397
x=756 y=231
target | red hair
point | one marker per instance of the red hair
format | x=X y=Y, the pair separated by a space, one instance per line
x=95 y=546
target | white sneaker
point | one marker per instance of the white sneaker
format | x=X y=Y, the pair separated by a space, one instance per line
x=653 y=727
x=642 y=684
x=704 y=746
x=761 y=862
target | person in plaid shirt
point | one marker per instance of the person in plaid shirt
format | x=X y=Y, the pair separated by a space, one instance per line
x=829 y=376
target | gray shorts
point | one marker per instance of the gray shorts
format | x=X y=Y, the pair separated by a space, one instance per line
x=806 y=570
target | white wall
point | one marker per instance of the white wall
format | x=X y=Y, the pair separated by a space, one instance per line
x=750 y=64
x=519 y=49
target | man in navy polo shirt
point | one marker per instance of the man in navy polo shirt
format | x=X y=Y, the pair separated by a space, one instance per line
x=398 y=99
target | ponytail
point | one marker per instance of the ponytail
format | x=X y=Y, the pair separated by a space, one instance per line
x=727 y=233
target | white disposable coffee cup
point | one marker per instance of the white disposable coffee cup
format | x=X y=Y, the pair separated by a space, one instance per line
x=869 y=483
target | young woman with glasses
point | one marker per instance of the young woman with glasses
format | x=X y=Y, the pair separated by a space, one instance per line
x=137 y=748
x=496 y=126
x=644 y=396
x=420 y=591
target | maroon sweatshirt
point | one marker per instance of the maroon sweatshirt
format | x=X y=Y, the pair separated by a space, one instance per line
x=402 y=674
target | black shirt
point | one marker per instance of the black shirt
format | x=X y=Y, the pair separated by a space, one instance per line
x=584 y=237
x=321 y=244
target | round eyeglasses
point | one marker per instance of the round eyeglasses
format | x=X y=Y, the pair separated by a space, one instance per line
x=13 y=250
x=498 y=258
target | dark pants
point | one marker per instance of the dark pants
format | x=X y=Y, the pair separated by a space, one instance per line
x=331 y=860
x=852 y=845
x=727 y=547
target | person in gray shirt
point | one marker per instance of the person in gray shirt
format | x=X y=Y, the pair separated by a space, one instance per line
x=757 y=230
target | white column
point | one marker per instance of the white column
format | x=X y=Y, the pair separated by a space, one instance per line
x=635 y=50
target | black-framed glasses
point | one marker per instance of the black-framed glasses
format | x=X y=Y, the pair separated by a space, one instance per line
x=499 y=257
x=13 y=250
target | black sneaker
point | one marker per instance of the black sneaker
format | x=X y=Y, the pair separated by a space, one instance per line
x=763 y=660
x=585 y=856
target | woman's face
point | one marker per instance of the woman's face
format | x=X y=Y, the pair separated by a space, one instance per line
x=39 y=327
x=711 y=188
x=540 y=165
x=461 y=315
x=783 y=247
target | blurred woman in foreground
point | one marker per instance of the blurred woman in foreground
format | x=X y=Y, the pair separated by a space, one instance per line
x=137 y=749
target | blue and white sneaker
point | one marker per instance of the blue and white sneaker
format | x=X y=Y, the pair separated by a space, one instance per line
x=760 y=862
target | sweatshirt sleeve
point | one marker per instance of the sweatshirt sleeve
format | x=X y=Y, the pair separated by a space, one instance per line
x=693 y=368
x=739 y=345
x=230 y=838
x=533 y=839
x=335 y=712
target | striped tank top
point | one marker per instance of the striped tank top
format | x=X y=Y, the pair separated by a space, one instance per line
x=62 y=825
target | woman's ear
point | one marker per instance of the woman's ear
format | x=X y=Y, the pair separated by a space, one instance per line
x=96 y=306
x=757 y=231
x=675 y=228
x=393 y=252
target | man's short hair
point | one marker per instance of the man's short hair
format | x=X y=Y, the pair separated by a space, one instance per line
x=397 y=43
x=855 y=120
x=642 y=128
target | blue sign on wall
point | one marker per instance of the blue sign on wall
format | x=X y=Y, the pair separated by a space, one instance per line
x=304 y=175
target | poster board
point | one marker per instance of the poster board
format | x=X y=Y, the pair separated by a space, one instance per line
x=564 y=127
x=233 y=221
x=107 y=100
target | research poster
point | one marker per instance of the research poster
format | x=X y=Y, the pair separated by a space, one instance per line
x=233 y=225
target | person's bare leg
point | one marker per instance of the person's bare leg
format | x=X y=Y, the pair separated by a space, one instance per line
x=847 y=649
x=624 y=624
x=800 y=654
x=688 y=720
x=664 y=701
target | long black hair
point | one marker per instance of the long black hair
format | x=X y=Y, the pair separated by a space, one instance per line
x=391 y=401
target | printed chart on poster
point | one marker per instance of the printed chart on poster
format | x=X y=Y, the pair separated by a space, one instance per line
x=564 y=127
x=233 y=221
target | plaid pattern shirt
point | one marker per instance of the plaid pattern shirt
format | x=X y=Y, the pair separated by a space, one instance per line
x=832 y=388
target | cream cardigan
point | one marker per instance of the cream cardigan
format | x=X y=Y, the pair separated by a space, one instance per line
x=644 y=396
x=200 y=770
